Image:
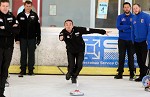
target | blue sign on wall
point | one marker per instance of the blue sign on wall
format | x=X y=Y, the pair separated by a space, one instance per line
x=102 y=51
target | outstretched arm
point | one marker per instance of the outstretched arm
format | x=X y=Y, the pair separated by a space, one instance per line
x=85 y=30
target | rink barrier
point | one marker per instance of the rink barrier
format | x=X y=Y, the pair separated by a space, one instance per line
x=101 y=54
x=15 y=69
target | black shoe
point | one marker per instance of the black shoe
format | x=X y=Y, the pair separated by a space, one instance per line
x=74 y=80
x=68 y=76
x=2 y=96
x=31 y=73
x=118 y=76
x=22 y=73
x=147 y=89
x=132 y=77
x=138 y=79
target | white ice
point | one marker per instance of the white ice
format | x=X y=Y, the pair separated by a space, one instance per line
x=57 y=86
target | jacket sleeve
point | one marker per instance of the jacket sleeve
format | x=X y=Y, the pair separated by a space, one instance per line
x=16 y=29
x=132 y=33
x=84 y=30
x=17 y=36
x=120 y=26
x=148 y=36
x=62 y=34
x=13 y=29
x=38 y=34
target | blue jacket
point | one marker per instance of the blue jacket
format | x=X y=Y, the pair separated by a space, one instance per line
x=124 y=26
x=140 y=27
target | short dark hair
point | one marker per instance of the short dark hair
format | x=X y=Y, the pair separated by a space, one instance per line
x=4 y=1
x=126 y=3
x=137 y=4
x=68 y=20
x=27 y=2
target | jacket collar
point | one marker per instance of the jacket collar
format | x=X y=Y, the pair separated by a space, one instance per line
x=24 y=11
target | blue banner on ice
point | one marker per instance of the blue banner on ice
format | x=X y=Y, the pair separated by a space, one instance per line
x=102 y=51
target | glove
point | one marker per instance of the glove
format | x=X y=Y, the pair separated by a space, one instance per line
x=38 y=40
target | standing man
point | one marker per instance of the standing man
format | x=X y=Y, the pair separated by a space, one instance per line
x=124 y=42
x=75 y=46
x=30 y=36
x=8 y=30
x=140 y=29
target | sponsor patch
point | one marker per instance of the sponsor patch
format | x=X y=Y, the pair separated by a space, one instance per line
x=1 y=20
x=142 y=20
x=22 y=18
x=32 y=17
x=9 y=19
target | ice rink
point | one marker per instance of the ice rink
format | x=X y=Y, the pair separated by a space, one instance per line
x=57 y=86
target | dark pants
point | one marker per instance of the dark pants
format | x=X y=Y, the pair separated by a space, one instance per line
x=5 y=59
x=141 y=53
x=75 y=63
x=123 y=46
x=27 y=48
x=149 y=60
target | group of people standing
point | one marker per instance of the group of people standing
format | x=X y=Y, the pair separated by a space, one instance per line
x=25 y=30
x=134 y=38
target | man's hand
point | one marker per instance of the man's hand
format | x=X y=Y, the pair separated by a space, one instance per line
x=61 y=38
x=2 y=27
x=108 y=32
x=15 y=25
x=17 y=42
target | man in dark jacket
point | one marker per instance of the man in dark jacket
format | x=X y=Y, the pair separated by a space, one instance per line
x=29 y=36
x=8 y=30
x=75 y=47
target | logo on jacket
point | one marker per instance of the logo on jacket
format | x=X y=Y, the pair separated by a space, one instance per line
x=142 y=20
x=77 y=34
x=32 y=17
x=134 y=22
x=1 y=20
x=68 y=36
x=130 y=19
x=22 y=18
x=9 y=19
x=123 y=19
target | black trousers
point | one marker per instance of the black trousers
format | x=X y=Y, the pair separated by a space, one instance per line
x=123 y=46
x=149 y=60
x=141 y=53
x=5 y=59
x=75 y=63
x=27 y=48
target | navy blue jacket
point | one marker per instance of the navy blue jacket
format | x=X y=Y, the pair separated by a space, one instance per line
x=124 y=26
x=140 y=27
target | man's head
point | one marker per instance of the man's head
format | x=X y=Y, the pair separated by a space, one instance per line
x=27 y=6
x=68 y=24
x=4 y=6
x=126 y=7
x=136 y=8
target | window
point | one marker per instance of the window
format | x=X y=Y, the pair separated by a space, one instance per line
x=112 y=13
